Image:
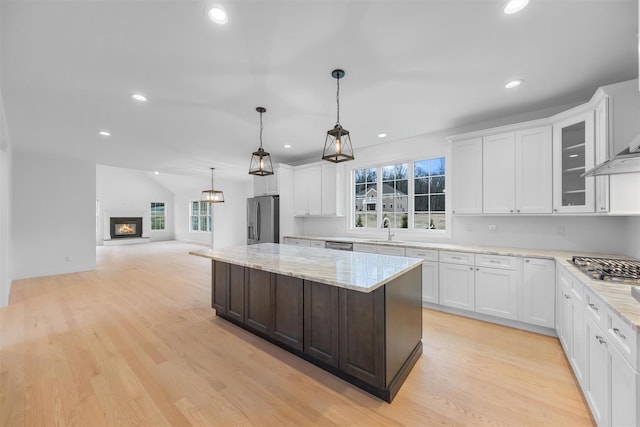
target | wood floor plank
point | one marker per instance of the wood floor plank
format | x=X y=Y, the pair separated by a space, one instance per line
x=135 y=342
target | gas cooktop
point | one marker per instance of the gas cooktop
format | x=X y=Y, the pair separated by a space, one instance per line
x=610 y=269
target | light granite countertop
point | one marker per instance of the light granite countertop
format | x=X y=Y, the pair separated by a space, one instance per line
x=618 y=297
x=361 y=272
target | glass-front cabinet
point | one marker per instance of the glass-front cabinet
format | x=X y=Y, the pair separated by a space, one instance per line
x=573 y=146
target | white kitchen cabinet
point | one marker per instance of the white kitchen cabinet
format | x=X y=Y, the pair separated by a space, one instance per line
x=466 y=174
x=316 y=243
x=297 y=242
x=318 y=190
x=498 y=171
x=625 y=391
x=596 y=389
x=266 y=185
x=573 y=154
x=359 y=247
x=538 y=294
x=534 y=171
x=496 y=292
x=391 y=250
x=601 y=143
x=457 y=286
x=429 y=273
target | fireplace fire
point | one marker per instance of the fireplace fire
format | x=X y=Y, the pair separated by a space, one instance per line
x=123 y=227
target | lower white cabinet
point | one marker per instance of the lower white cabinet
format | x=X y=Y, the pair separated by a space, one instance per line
x=296 y=242
x=596 y=388
x=457 y=286
x=359 y=247
x=316 y=243
x=430 y=274
x=496 y=292
x=538 y=296
x=625 y=391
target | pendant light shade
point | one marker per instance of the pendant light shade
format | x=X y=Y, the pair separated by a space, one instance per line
x=337 y=145
x=260 y=160
x=212 y=196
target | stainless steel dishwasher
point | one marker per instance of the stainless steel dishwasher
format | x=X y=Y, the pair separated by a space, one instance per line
x=340 y=246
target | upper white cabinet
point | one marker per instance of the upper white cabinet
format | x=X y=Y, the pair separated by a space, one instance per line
x=467 y=176
x=517 y=172
x=267 y=185
x=573 y=154
x=318 y=190
x=602 y=154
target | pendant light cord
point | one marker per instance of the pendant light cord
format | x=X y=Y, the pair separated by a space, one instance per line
x=338 y=102
x=260 y=129
x=212 y=178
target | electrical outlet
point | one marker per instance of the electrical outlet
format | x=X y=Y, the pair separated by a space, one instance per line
x=492 y=227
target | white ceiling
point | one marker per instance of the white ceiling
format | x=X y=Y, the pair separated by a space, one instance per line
x=412 y=67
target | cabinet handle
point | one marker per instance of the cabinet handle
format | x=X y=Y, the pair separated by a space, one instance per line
x=567 y=296
x=618 y=333
x=471 y=268
x=518 y=210
x=455 y=257
x=453 y=211
x=526 y=260
x=593 y=306
x=600 y=340
x=601 y=208
x=493 y=261
x=511 y=210
x=555 y=210
x=477 y=269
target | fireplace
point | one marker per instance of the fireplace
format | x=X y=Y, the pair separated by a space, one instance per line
x=126 y=227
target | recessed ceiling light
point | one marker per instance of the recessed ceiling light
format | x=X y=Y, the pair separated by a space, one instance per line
x=218 y=15
x=104 y=133
x=157 y=173
x=139 y=97
x=287 y=146
x=382 y=135
x=573 y=155
x=515 y=6
x=513 y=83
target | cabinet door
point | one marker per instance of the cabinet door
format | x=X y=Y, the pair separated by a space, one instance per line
x=538 y=292
x=219 y=287
x=236 y=291
x=466 y=172
x=329 y=190
x=566 y=337
x=625 y=391
x=314 y=190
x=321 y=313
x=602 y=153
x=534 y=170
x=362 y=335
x=496 y=292
x=498 y=170
x=596 y=389
x=573 y=153
x=430 y=282
x=579 y=353
x=457 y=286
x=259 y=186
x=258 y=301
x=300 y=192
x=287 y=307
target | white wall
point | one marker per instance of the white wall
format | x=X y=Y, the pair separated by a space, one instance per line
x=229 y=218
x=53 y=213
x=633 y=237
x=129 y=192
x=5 y=208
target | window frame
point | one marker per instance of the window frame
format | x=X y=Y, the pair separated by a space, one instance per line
x=208 y=216
x=445 y=233
x=164 y=216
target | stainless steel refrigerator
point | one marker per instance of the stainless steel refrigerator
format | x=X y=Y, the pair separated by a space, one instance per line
x=263 y=220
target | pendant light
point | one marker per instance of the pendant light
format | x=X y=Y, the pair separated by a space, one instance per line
x=212 y=196
x=260 y=160
x=337 y=146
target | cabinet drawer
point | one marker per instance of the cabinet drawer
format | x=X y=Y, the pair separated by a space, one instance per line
x=296 y=242
x=358 y=247
x=427 y=254
x=389 y=250
x=496 y=261
x=624 y=338
x=316 y=243
x=456 y=257
x=596 y=310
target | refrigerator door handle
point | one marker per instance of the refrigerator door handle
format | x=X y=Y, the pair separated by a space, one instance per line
x=258 y=218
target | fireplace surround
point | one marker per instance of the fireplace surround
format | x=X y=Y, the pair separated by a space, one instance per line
x=125 y=227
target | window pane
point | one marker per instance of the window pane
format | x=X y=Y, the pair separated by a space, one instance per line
x=438 y=221
x=402 y=187
x=360 y=204
x=421 y=186
x=194 y=208
x=360 y=189
x=437 y=203
x=421 y=204
x=437 y=184
x=387 y=188
x=194 y=223
x=388 y=173
x=436 y=166
x=421 y=168
x=421 y=221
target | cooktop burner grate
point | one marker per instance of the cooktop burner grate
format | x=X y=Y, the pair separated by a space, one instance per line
x=611 y=269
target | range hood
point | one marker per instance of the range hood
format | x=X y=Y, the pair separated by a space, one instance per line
x=623 y=130
x=626 y=161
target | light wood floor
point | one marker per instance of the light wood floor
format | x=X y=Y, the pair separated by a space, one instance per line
x=136 y=343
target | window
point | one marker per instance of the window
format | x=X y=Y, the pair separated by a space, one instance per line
x=199 y=216
x=411 y=195
x=158 y=216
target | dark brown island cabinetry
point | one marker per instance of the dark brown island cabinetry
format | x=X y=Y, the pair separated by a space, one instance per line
x=371 y=340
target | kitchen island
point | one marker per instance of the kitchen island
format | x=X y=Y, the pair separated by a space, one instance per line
x=356 y=315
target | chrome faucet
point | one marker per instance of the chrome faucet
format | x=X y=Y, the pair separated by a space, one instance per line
x=386 y=220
